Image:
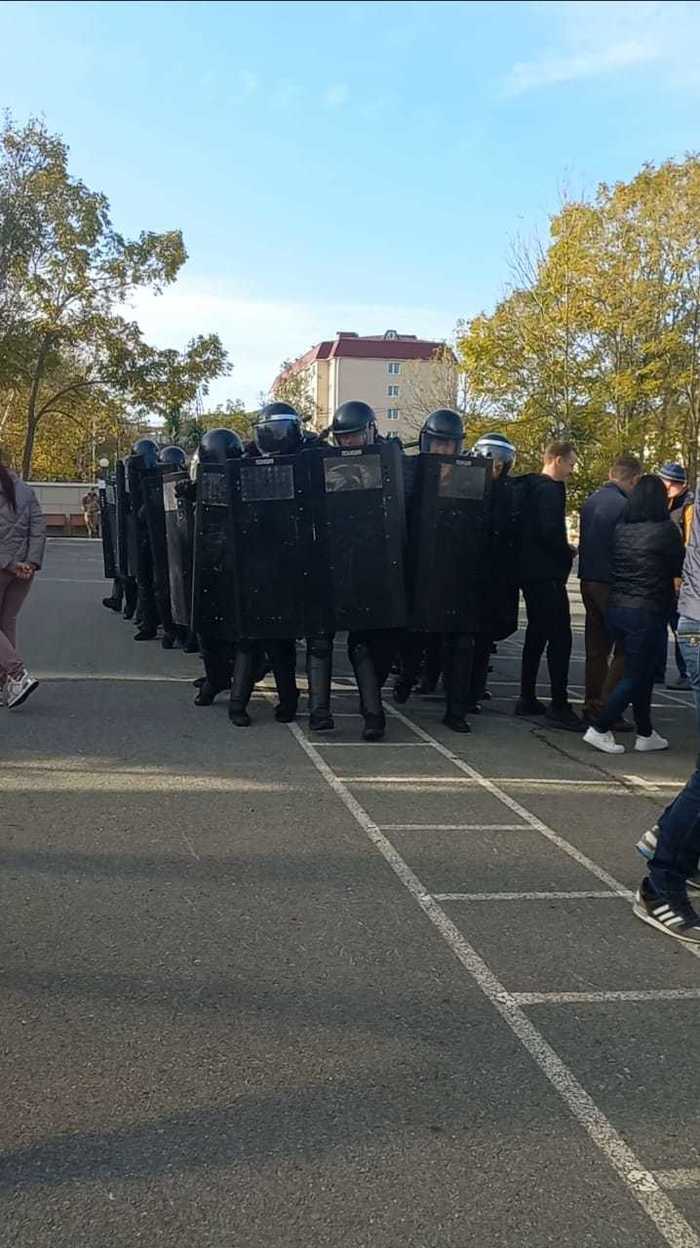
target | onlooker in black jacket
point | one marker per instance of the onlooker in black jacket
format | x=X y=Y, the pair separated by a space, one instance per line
x=647 y=557
x=600 y=513
x=545 y=564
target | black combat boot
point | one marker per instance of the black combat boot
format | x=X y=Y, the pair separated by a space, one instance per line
x=242 y=683
x=370 y=693
x=319 y=666
x=283 y=655
x=458 y=678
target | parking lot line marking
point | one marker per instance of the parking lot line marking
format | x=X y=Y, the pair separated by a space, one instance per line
x=678 y=1178
x=364 y=745
x=557 y=896
x=601 y=998
x=521 y=811
x=642 y=1185
x=454 y=827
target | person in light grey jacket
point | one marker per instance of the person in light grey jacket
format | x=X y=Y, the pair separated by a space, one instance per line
x=22 y=542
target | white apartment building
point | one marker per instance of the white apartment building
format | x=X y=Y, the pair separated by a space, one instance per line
x=371 y=368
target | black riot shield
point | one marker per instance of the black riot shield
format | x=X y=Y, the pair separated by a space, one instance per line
x=179 y=535
x=213 y=601
x=272 y=539
x=136 y=538
x=106 y=497
x=359 y=526
x=154 y=514
x=447 y=535
x=121 y=515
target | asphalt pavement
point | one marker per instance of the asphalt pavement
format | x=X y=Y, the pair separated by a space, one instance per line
x=260 y=987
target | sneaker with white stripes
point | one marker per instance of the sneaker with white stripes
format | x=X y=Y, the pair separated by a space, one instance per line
x=672 y=915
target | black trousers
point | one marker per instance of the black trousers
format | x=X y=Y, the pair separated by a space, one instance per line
x=548 y=627
x=371 y=653
x=480 y=666
x=282 y=653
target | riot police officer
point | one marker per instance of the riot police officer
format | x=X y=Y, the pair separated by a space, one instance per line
x=144 y=456
x=277 y=433
x=442 y=434
x=370 y=651
x=169 y=457
x=216 y=641
x=499 y=597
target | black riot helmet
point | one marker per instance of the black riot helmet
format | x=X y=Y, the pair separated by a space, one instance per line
x=497 y=447
x=174 y=456
x=278 y=431
x=442 y=426
x=147 y=449
x=218 y=445
x=354 y=423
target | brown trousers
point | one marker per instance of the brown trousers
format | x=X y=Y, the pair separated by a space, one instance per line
x=602 y=674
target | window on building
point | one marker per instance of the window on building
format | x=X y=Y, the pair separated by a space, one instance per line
x=392 y=413
x=393 y=392
x=394 y=367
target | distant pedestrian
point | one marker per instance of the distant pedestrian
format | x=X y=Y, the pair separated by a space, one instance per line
x=601 y=512
x=647 y=557
x=22 y=541
x=680 y=507
x=91 y=512
x=545 y=564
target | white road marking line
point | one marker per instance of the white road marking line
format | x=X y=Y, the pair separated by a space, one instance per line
x=678 y=1178
x=490 y=787
x=592 y=786
x=560 y=896
x=640 y=1182
x=67 y=580
x=190 y=846
x=454 y=827
x=676 y=699
x=521 y=811
x=596 y=998
x=364 y=745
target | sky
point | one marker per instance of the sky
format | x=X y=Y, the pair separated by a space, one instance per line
x=347 y=166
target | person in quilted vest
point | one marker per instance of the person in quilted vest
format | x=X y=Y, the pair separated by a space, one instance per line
x=22 y=542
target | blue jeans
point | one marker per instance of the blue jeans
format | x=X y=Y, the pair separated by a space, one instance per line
x=688 y=640
x=643 y=635
x=678 y=846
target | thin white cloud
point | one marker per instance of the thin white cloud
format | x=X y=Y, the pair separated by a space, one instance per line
x=336 y=95
x=550 y=70
x=591 y=38
x=259 y=334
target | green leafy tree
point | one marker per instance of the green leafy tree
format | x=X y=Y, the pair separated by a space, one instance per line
x=67 y=275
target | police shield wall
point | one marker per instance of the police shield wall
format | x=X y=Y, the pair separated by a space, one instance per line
x=108 y=529
x=272 y=545
x=447 y=541
x=213 y=604
x=154 y=510
x=179 y=533
x=359 y=524
x=121 y=514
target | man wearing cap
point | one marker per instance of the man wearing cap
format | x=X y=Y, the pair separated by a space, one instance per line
x=680 y=506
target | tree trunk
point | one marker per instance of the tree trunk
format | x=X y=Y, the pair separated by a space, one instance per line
x=32 y=418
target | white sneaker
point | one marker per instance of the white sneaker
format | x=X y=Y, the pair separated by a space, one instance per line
x=604 y=741
x=19 y=690
x=654 y=742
